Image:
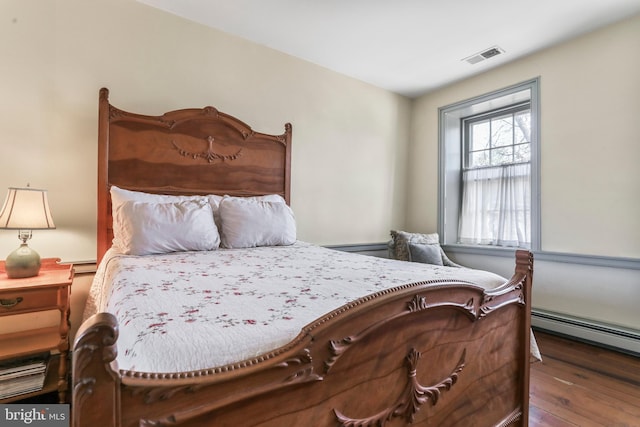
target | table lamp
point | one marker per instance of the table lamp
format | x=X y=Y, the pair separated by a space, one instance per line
x=25 y=209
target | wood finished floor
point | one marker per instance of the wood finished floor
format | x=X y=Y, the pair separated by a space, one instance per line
x=581 y=385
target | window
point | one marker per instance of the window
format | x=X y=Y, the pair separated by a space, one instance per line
x=498 y=138
x=489 y=170
x=496 y=196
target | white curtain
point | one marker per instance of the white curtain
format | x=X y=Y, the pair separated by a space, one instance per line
x=496 y=206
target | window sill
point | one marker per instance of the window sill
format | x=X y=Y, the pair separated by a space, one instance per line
x=479 y=250
x=562 y=257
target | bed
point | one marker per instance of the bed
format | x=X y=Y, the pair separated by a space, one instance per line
x=385 y=345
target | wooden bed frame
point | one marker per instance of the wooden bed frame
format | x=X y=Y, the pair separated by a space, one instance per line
x=425 y=354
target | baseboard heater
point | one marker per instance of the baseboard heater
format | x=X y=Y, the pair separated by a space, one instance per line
x=610 y=336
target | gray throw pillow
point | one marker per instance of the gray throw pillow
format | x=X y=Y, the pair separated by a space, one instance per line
x=398 y=246
x=424 y=253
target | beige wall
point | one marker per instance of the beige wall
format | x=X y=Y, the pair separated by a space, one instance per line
x=590 y=179
x=589 y=141
x=349 y=138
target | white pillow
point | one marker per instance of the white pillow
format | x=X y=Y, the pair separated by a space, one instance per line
x=215 y=200
x=266 y=198
x=250 y=222
x=120 y=195
x=150 y=228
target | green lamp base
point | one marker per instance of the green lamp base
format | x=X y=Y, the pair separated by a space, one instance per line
x=23 y=262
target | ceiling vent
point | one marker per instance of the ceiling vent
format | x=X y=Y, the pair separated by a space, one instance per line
x=485 y=54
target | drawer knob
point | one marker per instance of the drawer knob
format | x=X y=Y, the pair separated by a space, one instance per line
x=8 y=303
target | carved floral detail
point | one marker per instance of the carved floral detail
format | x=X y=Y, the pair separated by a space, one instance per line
x=413 y=396
x=470 y=306
x=417 y=303
x=501 y=298
x=83 y=386
x=337 y=348
x=303 y=376
x=210 y=111
x=209 y=155
x=306 y=373
x=98 y=342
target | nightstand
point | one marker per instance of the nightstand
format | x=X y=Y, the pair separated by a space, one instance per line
x=49 y=290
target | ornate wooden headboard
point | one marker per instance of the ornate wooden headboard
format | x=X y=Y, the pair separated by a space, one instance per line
x=190 y=151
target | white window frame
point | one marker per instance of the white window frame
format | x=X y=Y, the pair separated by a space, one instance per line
x=451 y=161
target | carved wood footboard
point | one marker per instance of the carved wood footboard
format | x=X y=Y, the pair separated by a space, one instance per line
x=431 y=354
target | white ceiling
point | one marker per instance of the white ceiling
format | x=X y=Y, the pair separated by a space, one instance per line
x=405 y=46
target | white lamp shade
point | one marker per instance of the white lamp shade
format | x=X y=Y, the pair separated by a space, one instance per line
x=26 y=209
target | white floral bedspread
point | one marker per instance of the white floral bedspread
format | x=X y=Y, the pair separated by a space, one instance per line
x=195 y=310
